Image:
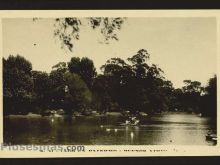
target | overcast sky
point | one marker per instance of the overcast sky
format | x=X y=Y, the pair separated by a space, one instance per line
x=185 y=48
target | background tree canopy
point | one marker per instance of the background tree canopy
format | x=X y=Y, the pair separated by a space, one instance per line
x=17 y=83
x=124 y=85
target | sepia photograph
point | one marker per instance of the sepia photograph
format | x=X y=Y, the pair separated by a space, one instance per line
x=109 y=81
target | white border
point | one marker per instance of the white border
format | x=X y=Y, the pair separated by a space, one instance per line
x=168 y=150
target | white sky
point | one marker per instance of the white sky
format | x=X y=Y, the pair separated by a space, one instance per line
x=185 y=48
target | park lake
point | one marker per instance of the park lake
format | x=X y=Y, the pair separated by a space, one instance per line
x=171 y=128
x=109 y=81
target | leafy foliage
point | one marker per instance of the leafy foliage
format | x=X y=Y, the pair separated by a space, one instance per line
x=78 y=96
x=68 y=29
x=83 y=67
x=17 y=83
x=125 y=85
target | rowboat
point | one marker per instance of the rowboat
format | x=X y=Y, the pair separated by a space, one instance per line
x=212 y=137
x=132 y=122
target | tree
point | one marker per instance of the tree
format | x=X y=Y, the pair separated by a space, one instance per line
x=192 y=86
x=155 y=72
x=178 y=100
x=211 y=88
x=42 y=89
x=117 y=74
x=68 y=29
x=83 y=67
x=102 y=100
x=139 y=62
x=61 y=67
x=136 y=87
x=209 y=99
x=68 y=90
x=17 y=84
x=149 y=80
x=77 y=95
x=191 y=95
x=118 y=69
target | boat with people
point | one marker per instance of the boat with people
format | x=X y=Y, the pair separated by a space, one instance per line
x=53 y=113
x=131 y=121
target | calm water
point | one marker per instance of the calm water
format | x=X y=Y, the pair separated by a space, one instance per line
x=166 y=129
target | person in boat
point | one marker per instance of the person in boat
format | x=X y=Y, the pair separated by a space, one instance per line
x=132 y=120
x=127 y=122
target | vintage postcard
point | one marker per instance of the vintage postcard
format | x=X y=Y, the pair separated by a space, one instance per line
x=109 y=83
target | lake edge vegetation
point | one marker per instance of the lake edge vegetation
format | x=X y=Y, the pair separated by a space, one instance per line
x=133 y=85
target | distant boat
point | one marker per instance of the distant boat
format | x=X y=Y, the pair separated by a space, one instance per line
x=54 y=113
x=132 y=122
x=57 y=115
x=30 y=114
x=211 y=137
x=143 y=114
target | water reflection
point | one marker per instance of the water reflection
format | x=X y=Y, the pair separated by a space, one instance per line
x=175 y=128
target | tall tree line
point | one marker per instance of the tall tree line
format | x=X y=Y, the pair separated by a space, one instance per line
x=124 y=85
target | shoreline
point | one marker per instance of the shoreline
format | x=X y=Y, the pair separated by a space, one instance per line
x=108 y=114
